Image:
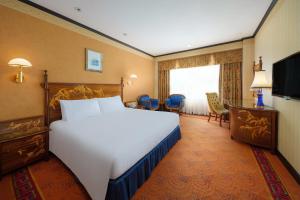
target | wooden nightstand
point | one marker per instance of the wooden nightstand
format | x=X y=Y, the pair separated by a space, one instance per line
x=133 y=104
x=22 y=142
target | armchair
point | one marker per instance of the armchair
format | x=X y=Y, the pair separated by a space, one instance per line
x=215 y=107
x=175 y=102
x=148 y=103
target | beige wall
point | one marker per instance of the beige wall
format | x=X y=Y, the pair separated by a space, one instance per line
x=62 y=52
x=278 y=38
x=248 y=59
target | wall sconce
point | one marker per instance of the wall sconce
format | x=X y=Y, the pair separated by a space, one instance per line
x=132 y=77
x=19 y=62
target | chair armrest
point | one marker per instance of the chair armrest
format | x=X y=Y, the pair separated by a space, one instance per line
x=145 y=103
x=182 y=103
x=220 y=107
x=167 y=102
x=154 y=102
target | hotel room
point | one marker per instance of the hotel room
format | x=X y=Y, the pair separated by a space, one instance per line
x=162 y=100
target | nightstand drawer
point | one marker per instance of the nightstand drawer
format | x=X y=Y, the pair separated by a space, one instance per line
x=20 y=152
x=22 y=141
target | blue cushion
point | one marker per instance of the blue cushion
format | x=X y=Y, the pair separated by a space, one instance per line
x=154 y=103
x=176 y=100
x=173 y=106
x=148 y=102
x=145 y=101
x=168 y=102
x=144 y=98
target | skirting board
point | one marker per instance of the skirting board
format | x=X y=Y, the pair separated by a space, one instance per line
x=289 y=167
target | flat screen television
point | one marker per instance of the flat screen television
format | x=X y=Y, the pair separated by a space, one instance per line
x=286 y=77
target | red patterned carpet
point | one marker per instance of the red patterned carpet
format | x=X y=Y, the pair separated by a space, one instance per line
x=276 y=187
x=204 y=164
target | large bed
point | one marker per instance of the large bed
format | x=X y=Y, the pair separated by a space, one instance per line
x=112 y=153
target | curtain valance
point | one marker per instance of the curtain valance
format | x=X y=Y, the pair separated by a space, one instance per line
x=224 y=57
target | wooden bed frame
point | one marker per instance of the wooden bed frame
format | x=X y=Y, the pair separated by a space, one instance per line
x=74 y=91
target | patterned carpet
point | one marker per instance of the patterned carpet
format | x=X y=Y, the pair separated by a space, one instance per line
x=204 y=164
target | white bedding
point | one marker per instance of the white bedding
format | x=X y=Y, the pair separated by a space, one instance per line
x=105 y=146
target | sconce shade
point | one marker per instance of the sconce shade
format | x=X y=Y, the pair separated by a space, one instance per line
x=260 y=80
x=19 y=62
x=133 y=76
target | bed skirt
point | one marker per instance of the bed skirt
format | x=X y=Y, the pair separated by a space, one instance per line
x=124 y=187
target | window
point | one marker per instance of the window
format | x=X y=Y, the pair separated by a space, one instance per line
x=193 y=83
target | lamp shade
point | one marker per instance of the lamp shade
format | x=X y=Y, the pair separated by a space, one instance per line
x=19 y=62
x=260 y=80
x=133 y=76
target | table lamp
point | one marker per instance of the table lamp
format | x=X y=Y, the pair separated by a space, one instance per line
x=259 y=83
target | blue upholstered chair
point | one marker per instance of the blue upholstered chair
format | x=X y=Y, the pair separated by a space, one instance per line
x=148 y=103
x=175 y=102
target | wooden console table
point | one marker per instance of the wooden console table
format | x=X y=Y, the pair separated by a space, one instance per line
x=252 y=125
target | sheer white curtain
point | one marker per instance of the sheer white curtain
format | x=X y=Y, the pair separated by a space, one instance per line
x=193 y=83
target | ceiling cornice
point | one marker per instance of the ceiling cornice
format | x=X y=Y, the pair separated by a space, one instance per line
x=198 y=48
x=273 y=3
x=51 y=12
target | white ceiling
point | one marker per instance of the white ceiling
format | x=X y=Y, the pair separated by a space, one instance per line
x=165 y=26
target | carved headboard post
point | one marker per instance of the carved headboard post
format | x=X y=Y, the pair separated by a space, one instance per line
x=122 y=87
x=46 y=88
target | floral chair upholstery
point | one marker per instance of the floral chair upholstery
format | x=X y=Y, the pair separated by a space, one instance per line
x=215 y=107
x=148 y=103
x=175 y=102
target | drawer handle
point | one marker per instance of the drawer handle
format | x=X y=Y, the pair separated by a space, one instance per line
x=20 y=152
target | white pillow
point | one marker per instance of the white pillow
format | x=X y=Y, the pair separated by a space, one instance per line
x=110 y=104
x=78 y=109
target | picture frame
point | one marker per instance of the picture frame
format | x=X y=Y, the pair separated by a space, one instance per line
x=93 y=60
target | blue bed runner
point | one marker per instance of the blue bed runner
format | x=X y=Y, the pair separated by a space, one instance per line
x=124 y=187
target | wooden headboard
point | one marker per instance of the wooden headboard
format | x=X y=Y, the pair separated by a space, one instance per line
x=74 y=91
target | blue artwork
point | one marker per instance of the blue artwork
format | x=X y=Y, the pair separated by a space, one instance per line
x=93 y=61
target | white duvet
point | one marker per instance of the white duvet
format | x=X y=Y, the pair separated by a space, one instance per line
x=105 y=146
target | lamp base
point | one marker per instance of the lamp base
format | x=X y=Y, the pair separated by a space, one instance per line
x=20 y=77
x=260 y=102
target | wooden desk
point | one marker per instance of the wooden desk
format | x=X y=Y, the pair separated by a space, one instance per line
x=252 y=125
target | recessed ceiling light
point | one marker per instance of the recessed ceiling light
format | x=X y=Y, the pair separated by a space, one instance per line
x=77 y=9
x=124 y=34
x=189 y=45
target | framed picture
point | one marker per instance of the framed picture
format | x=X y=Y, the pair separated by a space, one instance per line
x=93 y=61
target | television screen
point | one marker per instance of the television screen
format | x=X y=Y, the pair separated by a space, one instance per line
x=286 y=77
